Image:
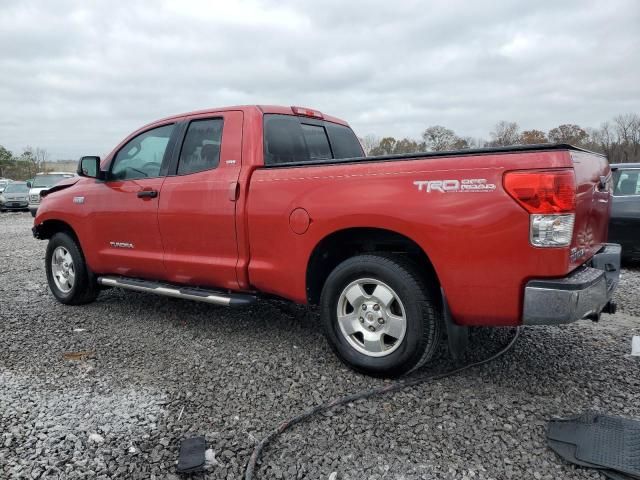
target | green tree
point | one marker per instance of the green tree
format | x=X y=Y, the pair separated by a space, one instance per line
x=531 y=137
x=6 y=161
x=385 y=147
x=568 y=133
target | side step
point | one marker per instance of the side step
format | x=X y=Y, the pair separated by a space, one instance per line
x=178 y=291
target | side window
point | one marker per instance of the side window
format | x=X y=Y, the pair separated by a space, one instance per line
x=626 y=182
x=142 y=156
x=344 y=142
x=201 y=147
x=283 y=140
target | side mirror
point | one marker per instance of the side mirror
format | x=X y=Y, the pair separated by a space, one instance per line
x=89 y=167
x=28 y=183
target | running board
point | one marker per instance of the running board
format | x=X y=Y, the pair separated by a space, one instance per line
x=176 y=291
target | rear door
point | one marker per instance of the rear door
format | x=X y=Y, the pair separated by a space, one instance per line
x=123 y=210
x=197 y=211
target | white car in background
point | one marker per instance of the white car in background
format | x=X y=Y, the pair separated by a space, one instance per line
x=44 y=181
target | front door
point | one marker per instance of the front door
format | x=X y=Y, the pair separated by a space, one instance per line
x=124 y=208
x=197 y=210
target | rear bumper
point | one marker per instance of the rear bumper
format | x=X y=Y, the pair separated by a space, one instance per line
x=582 y=294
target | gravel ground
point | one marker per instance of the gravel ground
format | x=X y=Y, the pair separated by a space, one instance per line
x=157 y=370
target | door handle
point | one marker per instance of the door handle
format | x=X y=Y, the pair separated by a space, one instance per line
x=147 y=194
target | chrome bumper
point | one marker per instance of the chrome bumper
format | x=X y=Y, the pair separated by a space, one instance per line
x=582 y=294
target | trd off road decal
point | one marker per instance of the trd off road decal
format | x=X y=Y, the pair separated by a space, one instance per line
x=470 y=185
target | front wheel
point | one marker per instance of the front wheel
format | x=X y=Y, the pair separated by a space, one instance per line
x=68 y=275
x=380 y=316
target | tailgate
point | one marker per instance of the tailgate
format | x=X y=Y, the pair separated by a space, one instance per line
x=593 y=205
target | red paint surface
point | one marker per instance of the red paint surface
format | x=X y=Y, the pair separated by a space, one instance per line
x=194 y=233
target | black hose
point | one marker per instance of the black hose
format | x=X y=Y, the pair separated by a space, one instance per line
x=393 y=387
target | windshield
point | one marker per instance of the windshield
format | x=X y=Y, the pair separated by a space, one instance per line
x=16 y=188
x=46 y=181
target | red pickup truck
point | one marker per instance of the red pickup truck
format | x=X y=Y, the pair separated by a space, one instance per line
x=231 y=205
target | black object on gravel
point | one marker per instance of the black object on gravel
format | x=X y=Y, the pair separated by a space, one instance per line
x=191 y=457
x=598 y=441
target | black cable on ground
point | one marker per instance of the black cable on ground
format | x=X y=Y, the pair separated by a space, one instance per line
x=392 y=387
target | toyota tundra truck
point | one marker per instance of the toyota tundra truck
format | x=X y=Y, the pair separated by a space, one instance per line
x=234 y=205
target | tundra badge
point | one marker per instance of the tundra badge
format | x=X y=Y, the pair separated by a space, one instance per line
x=121 y=244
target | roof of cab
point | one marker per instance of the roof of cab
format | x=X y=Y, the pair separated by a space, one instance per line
x=277 y=109
x=615 y=166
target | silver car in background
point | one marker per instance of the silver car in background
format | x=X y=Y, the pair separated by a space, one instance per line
x=15 y=197
x=44 y=181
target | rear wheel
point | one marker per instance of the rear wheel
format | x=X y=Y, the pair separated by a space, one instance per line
x=68 y=275
x=380 y=316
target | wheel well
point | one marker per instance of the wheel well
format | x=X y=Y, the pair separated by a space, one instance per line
x=49 y=228
x=337 y=247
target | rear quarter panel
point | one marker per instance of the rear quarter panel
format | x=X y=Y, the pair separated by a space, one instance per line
x=478 y=242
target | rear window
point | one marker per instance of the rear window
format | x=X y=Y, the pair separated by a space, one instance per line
x=626 y=182
x=291 y=139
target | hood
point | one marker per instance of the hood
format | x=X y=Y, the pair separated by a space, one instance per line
x=66 y=183
x=16 y=195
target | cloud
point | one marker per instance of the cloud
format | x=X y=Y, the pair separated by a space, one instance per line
x=79 y=76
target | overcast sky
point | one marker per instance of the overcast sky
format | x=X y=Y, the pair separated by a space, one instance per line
x=77 y=76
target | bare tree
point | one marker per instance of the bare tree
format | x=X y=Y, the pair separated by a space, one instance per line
x=438 y=138
x=29 y=158
x=369 y=142
x=628 y=131
x=505 y=134
x=41 y=158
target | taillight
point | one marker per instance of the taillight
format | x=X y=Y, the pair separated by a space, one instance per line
x=550 y=198
x=543 y=191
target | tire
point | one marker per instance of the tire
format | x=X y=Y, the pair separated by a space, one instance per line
x=70 y=279
x=391 y=336
x=33 y=213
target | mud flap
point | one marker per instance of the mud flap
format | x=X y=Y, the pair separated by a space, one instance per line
x=457 y=335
